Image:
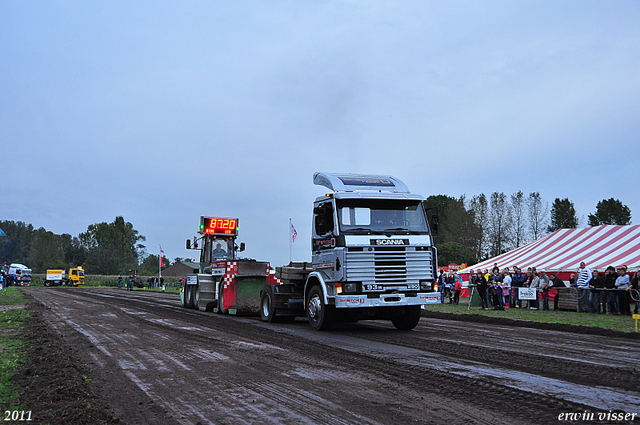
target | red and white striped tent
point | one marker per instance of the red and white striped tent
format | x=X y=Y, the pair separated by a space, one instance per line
x=564 y=249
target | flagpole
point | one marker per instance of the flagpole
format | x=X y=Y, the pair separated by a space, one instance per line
x=160 y=267
x=290 y=244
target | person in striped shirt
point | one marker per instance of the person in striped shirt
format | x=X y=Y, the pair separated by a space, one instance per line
x=584 y=277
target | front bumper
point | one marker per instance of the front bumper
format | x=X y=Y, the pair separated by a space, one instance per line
x=386 y=300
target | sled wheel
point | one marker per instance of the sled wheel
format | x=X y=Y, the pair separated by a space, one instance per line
x=188 y=296
x=183 y=294
x=221 y=308
x=196 y=296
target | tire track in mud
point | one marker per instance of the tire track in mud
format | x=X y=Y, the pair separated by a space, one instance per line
x=285 y=400
x=402 y=369
x=592 y=367
x=366 y=373
x=237 y=397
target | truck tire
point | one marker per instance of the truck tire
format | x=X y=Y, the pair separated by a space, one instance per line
x=321 y=316
x=267 y=306
x=267 y=309
x=407 y=320
x=267 y=313
x=221 y=308
x=47 y=283
x=196 y=296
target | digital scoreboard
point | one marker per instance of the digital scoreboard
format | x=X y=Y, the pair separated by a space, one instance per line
x=219 y=226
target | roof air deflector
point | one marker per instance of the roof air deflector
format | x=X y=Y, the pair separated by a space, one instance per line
x=359 y=182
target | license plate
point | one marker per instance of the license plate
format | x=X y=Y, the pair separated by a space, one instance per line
x=217 y=272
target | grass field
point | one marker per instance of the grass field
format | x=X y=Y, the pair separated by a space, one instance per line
x=12 y=318
x=98 y=281
x=612 y=322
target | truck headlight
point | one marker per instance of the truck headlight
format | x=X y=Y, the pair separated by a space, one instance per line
x=426 y=285
x=350 y=287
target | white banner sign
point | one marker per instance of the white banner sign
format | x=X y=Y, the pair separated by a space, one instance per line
x=527 y=293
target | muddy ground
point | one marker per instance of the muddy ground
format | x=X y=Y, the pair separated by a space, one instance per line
x=109 y=356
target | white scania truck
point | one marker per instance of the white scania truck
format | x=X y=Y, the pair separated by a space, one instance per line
x=373 y=257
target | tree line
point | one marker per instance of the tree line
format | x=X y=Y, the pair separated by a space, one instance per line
x=471 y=230
x=477 y=228
x=105 y=248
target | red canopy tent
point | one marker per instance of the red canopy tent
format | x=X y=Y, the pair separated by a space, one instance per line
x=563 y=250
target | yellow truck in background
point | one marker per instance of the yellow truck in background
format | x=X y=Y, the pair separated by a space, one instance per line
x=76 y=276
x=57 y=277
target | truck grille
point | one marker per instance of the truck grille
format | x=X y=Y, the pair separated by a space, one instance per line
x=389 y=265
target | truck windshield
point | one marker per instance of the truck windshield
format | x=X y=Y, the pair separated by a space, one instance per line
x=368 y=216
x=221 y=249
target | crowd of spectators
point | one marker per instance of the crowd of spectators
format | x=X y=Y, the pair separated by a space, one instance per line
x=609 y=292
x=450 y=285
x=601 y=293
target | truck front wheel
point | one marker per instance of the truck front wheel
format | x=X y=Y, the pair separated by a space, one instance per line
x=321 y=316
x=407 y=320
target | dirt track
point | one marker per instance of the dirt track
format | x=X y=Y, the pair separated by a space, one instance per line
x=159 y=363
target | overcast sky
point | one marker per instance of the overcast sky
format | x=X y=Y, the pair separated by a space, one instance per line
x=161 y=112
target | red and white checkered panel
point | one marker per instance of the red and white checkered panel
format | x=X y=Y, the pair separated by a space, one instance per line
x=227 y=280
x=232 y=267
x=272 y=279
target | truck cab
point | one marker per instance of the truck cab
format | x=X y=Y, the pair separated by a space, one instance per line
x=372 y=252
x=19 y=275
x=76 y=276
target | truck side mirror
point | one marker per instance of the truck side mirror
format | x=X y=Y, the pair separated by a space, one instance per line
x=242 y=246
x=321 y=225
x=435 y=224
x=188 y=244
